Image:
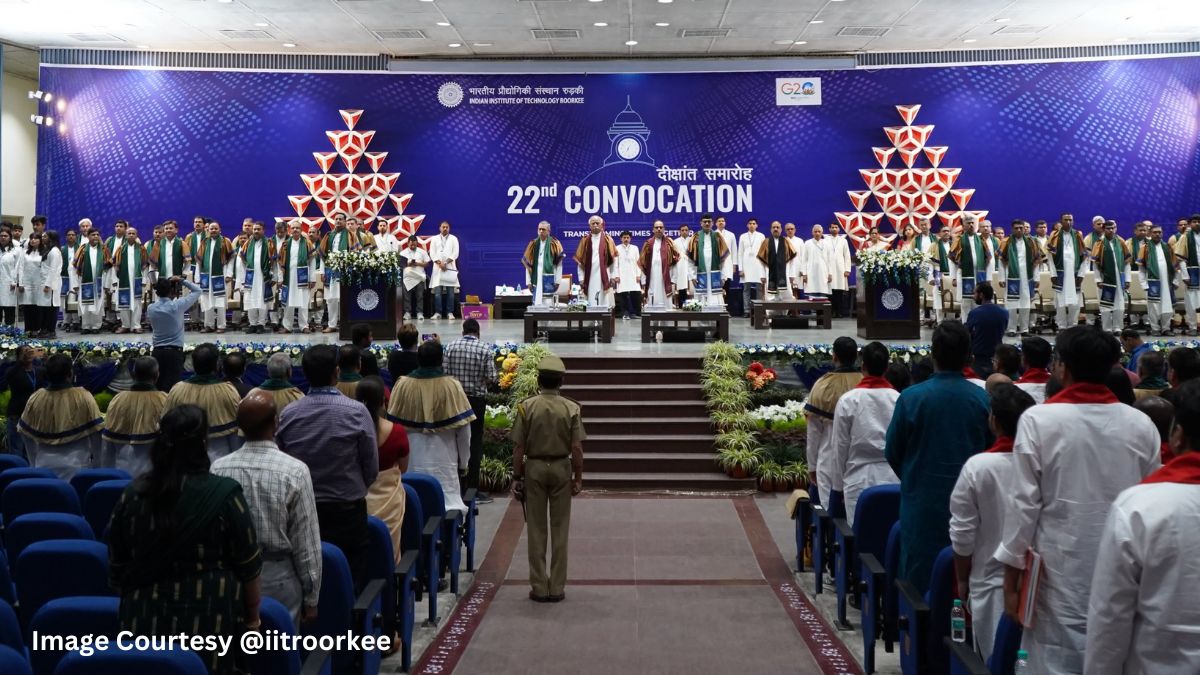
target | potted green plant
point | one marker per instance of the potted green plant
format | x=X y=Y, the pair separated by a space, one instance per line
x=739 y=462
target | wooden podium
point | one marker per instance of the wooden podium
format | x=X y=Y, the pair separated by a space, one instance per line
x=889 y=311
x=371 y=303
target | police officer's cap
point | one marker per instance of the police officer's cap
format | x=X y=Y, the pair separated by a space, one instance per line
x=551 y=364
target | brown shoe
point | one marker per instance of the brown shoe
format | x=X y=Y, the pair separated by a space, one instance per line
x=538 y=598
x=220 y=331
x=330 y=330
x=306 y=329
x=556 y=598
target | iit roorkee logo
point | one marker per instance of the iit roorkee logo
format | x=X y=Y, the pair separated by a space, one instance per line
x=892 y=299
x=367 y=299
x=627 y=136
x=450 y=94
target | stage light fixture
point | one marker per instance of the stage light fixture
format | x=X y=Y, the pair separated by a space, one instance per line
x=817 y=21
x=785 y=42
x=801 y=42
x=600 y=24
x=455 y=45
x=1003 y=20
x=289 y=44
x=61 y=105
x=631 y=43
x=262 y=24
x=969 y=40
x=662 y=24
x=483 y=44
x=443 y=24
x=49 y=121
x=39 y=94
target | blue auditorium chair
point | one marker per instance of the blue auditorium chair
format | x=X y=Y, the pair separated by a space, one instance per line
x=8 y=590
x=86 y=478
x=38 y=495
x=433 y=503
x=802 y=514
x=8 y=461
x=99 y=502
x=117 y=662
x=408 y=571
x=339 y=612
x=7 y=476
x=60 y=568
x=13 y=662
x=878 y=508
x=76 y=615
x=275 y=662
x=33 y=527
x=427 y=531
x=1003 y=659
x=822 y=535
x=879 y=597
x=10 y=629
x=925 y=619
x=399 y=604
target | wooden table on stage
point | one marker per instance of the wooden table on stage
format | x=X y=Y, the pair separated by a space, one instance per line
x=578 y=321
x=675 y=317
x=759 y=309
x=512 y=306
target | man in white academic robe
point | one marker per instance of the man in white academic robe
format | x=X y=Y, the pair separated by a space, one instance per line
x=708 y=253
x=775 y=256
x=749 y=266
x=1068 y=260
x=925 y=238
x=257 y=261
x=416 y=259
x=215 y=260
x=860 y=424
x=656 y=262
x=727 y=265
x=339 y=239
x=1145 y=601
x=817 y=275
x=1159 y=267
x=977 y=507
x=1111 y=263
x=945 y=274
x=298 y=276
x=799 y=263
x=681 y=275
x=1043 y=241
x=629 y=275
x=1020 y=256
x=1187 y=250
x=840 y=265
x=444 y=251
x=972 y=261
x=991 y=243
x=596 y=258
x=1073 y=454
x=543 y=265
x=130 y=266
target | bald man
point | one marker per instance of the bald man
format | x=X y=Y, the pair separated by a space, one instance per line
x=278 y=490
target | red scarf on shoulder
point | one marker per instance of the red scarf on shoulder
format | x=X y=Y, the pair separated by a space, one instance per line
x=1034 y=376
x=1003 y=444
x=873 y=382
x=1084 y=393
x=1183 y=469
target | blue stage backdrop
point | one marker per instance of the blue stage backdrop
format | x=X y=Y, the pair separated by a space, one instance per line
x=495 y=154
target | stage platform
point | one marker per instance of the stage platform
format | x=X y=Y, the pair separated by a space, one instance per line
x=626 y=340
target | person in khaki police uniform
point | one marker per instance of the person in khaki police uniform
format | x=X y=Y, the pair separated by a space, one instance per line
x=547 y=471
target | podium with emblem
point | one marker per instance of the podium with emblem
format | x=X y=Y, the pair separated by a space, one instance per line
x=372 y=302
x=889 y=309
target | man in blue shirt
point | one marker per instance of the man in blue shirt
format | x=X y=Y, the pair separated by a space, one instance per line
x=1134 y=346
x=166 y=326
x=986 y=323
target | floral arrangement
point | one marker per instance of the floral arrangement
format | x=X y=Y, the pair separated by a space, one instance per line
x=693 y=306
x=903 y=266
x=367 y=266
x=508 y=370
x=577 y=305
x=781 y=418
x=497 y=417
x=814 y=355
x=759 y=376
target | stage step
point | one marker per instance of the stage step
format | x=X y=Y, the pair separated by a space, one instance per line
x=650 y=427
x=650 y=361
x=599 y=409
x=608 y=392
x=650 y=375
x=648 y=462
x=706 y=481
x=626 y=443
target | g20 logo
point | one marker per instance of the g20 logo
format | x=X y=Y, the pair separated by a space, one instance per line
x=797 y=91
x=797 y=88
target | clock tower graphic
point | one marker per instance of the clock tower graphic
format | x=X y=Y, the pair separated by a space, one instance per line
x=627 y=136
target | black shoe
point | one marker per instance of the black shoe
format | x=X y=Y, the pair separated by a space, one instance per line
x=483 y=498
x=556 y=598
x=540 y=598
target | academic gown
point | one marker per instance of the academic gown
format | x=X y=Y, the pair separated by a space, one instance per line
x=10 y=262
x=62 y=430
x=683 y=271
x=839 y=262
x=937 y=425
x=30 y=278
x=860 y=425
x=799 y=263
x=627 y=268
x=818 y=255
x=819 y=410
x=977 y=507
x=130 y=427
x=1145 y=602
x=1073 y=458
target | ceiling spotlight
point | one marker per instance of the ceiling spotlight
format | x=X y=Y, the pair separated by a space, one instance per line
x=665 y=2
x=289 y=44
x=224 y=2
x=816 y=21
x=455 y=44
x=49 y=121
x=143 y=46
x=36 y=94
x=662 y=24
x=785 y=42
x=483 y=44
x=970 y=40
x=1003 y=20
x=62 y=105
x=262 y=24
x=600 y=24
x=36 y=119
x=47 y=97
x=630 y=43
x=443 y=23
x=595 y=0
x=804 y=42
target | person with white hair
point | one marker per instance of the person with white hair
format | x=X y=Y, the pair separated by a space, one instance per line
x=543 y=265
x=596 y=257
x=279 y=382
x=1094 y=238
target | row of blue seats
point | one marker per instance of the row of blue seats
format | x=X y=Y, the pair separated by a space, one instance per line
x=865 y=559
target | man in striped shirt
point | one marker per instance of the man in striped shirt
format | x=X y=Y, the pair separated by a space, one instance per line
x=473 y=364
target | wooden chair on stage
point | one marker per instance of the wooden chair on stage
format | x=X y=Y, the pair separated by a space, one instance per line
x=1042 y=304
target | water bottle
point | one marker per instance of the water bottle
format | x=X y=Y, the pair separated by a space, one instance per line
x=958 y=622
x=1022 y=665
x=658 y=337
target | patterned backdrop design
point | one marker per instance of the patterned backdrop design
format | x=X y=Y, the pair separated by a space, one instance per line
x=1117 y=138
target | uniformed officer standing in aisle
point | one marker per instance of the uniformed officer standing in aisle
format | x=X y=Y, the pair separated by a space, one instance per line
x=547 y=471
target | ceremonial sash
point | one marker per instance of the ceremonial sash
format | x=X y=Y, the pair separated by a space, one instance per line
x=1111 y=254
x=667 y=255
x=1002 y=444
x=943 y=257
x=553 y=256
x=715 y=243
x=259 y=259
x=194 y=240
x=1184 y=469
x=583 y=256
x=969 y=263
x=158 y=253
x=1057 y=251
x=1149 y=261
x=90 y=276
x=123 y=280
x=1030 y=253
x=302 y=252
x=1135 y=247
x=68 y=257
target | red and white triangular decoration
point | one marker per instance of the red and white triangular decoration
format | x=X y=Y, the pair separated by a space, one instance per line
x=300 y=203
x=351 y=117
x=906 y=195
x=375 y=159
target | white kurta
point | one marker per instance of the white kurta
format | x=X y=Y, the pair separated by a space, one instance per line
x=1069 y=295
x=441 y=455
x=64 y=459
x=29 y=278
x=751 y=268
x=683 y=272
x=818 y=257
x=1144 y=613
x=1020 y=250
x=819 y=453
x=728 y=262
x=977 y=507
x=1035 y=389
x=1045 y=265
x=10 y=262
x=993 y=254
x=799 y=262
x=656 y=292
x=860 y=424
x=534 y=281
x=387 y=243
x=252 y=295
x=210 y=299
x=444 y=248
x=1071 y=461
x=595 y=294
x=839 y=262
x=298 y=293
x=52 y=277
x=627 y=268
x=72 y=274
x=415 y=276
x=1164 y=300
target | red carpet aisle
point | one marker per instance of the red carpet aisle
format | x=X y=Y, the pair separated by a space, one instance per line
x=658 y=585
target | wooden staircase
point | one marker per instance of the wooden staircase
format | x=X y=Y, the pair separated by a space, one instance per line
x=647 y=425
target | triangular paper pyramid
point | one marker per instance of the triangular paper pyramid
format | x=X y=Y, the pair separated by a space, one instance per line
x=934 y=154
x=300 y=203
x=908 y=113
x=962 y=197
x=375 y=159
x=351 y=117
x=859 y=198
x=325 y=160
x=883 y=156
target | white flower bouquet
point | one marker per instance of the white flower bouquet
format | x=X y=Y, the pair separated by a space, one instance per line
x=903 y=266
x=365 y=266
x=692 y=306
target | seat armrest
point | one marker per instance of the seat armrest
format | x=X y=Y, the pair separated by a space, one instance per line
x=819 y=511
x=962 y=653
x=316 y=662
x=470 y=495
x=431 y=526
x=408 y=561
x=452 y=516
x=843 y=528
x=912 y=596
x=872 y=564
x=371 y=594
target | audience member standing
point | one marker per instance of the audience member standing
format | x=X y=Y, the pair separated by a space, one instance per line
x=385 y=497
x=403 y=361
x=349 y=364
x=750 y=269
x=23 y=378
x=216 y=397
x=49 y=296
x=335 y=436
x=473 y=364
x=986 y=323
x=1073 y=456
x=30 y=283
x=62 y=422
x=10 y=261
x=1142 y=613
x=860 y=423
x=166 y=327
x=444 y=251
x=131 y=422
x=819 y=409
x=279 y=382
x=279 y=492
x=840 y=264
x=977 y=516
x=1036 y=353
x=233 y=368
x=182 y=550
x=937 y=425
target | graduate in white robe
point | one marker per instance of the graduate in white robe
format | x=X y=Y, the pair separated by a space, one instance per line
x=1020 y=256
x=840 y=265
x=297 y=264
x=707 y=253
x=628 y=278
x=1144 y=610
x=416 y=259
x=945 y=274
x=49 y=296
x=256 y=259
x=131 y=423
x=1187 y=250
x=750 y=267
x=656 y=262
x=1073 y=454
x=69 y=298
x=977 y=507
x=1068 y=260
x=860 y=424
x=10 y=260
x=683 y=273
x=972 y=259
x=61 y=424
x=795 y=268
x=1159 y=267
x=215 y=260
x=30 y=282
x=1111 y=263
x=730 y=240
x=542 y=261
x=818 y=275
x=434 y=410
x=130 y=265
x=596 y=258
x=444 y=283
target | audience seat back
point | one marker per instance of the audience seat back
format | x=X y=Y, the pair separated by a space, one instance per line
x=10 y=630
x=275 y=617
x=336 y=602
x=86 y=478
x=117 y=662
x=8 y=476
x=12 y=462
x=940 y=597
x=77 y=615
x=381 y=564
x=878 y=509
x=34 y=527
x=99 y=502
x=60 y=568
x=13 y=662
x=38 y=495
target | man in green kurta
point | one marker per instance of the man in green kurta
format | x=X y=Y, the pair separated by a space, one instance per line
x=937 y=425
x=707 y=251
